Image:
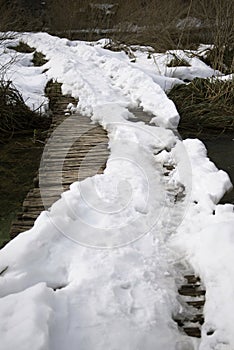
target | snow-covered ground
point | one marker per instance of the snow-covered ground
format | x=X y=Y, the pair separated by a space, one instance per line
x=99 y=269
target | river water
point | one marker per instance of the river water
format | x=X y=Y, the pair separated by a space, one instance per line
x=221 y=152
x=19 y=162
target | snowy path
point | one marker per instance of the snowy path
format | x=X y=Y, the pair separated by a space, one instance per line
x=99 y=269
x=120 y=299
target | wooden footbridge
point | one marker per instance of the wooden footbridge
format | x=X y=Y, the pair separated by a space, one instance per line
x=190 y=292
x=73 y=169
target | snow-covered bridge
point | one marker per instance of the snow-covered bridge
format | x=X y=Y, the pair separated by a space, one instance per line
x=101 y=268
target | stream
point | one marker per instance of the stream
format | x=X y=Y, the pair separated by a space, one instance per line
x=19 y=161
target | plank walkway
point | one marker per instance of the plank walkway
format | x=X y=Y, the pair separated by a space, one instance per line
x=191 y=293
x=192 y=299
x=86 y=157
x=77 y=165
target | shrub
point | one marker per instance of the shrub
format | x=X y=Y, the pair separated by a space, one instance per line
x=39 y=59
x=22 y=47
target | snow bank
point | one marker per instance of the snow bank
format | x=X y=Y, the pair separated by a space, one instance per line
x=29 y=80
x=24 y=325
x=98 y=76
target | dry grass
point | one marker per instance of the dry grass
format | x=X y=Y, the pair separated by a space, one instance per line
x=178 y=62
x=222 y=60
x=14 y=114
x=205 y=104
x=39 y=58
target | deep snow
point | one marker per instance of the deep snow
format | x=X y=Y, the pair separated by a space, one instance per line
x=99 y=269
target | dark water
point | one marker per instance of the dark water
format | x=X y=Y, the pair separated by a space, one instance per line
x=221 y=152
x=19 y=161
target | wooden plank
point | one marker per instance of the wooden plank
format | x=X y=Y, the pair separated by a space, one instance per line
x=85 y=157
